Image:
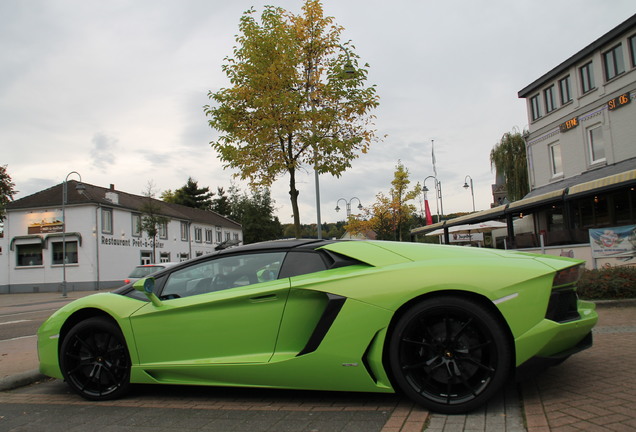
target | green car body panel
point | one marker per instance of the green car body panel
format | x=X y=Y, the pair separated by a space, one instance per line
x=257 y=335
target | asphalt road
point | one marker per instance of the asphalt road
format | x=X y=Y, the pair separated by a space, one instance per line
x=24 y=320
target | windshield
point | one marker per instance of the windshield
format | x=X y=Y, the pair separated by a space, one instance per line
x=143 y=271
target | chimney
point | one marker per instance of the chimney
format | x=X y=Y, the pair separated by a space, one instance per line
x=112 y=187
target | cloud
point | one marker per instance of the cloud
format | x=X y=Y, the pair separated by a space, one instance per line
x=103 y=151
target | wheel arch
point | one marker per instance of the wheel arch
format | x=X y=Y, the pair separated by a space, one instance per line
x=475 y=297
x=82 y=315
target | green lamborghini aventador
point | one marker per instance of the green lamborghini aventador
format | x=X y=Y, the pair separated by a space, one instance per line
x=445 y=325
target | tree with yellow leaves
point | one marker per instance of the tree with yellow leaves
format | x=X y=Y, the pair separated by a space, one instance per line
x=389 y=215
x=297 y=99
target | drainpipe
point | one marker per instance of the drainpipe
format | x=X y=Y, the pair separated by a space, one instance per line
x=190 y=238
x=97 y=281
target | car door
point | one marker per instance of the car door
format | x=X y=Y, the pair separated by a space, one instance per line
x=223 y=310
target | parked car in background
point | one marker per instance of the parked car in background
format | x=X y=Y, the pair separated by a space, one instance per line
x=141 y=271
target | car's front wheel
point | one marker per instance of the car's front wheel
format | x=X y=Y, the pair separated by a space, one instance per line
x=94 y=359
x=449 y=354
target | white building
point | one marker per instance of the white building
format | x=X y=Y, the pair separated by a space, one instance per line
x=102 y=235
x=581 y=150
x=581 y=145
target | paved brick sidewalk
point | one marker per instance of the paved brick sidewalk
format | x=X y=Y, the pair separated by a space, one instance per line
x=594 y=390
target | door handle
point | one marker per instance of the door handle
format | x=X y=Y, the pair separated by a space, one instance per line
x=263 y=298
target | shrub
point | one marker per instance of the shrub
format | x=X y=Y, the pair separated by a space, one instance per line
x=608 y=283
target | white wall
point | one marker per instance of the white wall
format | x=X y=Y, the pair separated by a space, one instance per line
x=104 y=260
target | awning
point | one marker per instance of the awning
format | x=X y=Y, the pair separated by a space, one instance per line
x=528 y=203
x=428 y=228
x=481 y=216
x=26 y=239
x=599 y=185
x=62 y=236
x=472 y=218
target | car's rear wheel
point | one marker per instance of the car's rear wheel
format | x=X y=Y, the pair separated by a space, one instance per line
x=94 y=359
x=449 y=354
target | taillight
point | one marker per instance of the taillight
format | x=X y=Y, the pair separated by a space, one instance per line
x=126 y=281
x=568 y=276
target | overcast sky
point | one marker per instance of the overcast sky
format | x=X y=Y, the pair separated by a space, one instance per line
x=114 y=89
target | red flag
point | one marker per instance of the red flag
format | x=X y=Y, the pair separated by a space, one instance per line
x=427 y=210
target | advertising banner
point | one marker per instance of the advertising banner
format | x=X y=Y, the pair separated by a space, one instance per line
x=616 y=242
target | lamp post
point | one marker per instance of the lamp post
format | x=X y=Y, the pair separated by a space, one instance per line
x=348 y=205
x=80 y=188
x=472 y=192
x=349 y=72
x=438 y=195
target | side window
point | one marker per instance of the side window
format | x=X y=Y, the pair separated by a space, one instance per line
x=223 y=273
x=300 y=263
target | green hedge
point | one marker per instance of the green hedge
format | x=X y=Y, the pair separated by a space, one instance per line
x=608 y=283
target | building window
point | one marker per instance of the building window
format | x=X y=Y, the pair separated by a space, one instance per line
x=596 y=144
x=136 y=225
x=614 y=63
x=29 y=255
x=107 y=221
x=208 y=235
x=219 y=236
x=146 y=257
x=183 y=257
x=236 y=237
x=555 y=160
x=198 y=235
x=184 y=231
x=548 y=95
x=535 y=107
x=632 y=49
x=163 y=230
x=227 y=236
x=587 y=78
x=164 y=257
x=71 y=252
x=565 y=90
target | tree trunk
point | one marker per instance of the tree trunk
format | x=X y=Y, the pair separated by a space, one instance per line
x=293 y=196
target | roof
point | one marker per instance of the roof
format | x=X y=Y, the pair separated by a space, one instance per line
x=609 y=170
x=608 y=37
x=110 y=197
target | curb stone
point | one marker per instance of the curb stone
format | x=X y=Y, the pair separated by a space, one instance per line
x=21 y=379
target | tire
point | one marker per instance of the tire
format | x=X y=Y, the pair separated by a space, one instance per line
x=94 y=360
x=449 y=354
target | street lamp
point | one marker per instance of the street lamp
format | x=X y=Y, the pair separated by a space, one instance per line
x=472 y=192
x=80 y=188
x=348 y=205
x=438 y=195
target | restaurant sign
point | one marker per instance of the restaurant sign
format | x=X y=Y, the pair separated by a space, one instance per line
x=46 y=227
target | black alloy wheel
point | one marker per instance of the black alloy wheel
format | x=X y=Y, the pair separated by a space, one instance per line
x=94 y=360
x=449 y=354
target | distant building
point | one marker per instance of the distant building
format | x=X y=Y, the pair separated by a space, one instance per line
x=103 y=239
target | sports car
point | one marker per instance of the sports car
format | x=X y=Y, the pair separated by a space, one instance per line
x=444 y=325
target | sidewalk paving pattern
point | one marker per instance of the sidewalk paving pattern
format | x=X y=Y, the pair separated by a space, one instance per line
x=593 y=390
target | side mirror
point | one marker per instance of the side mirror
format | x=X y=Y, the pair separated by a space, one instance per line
x=147 y=286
